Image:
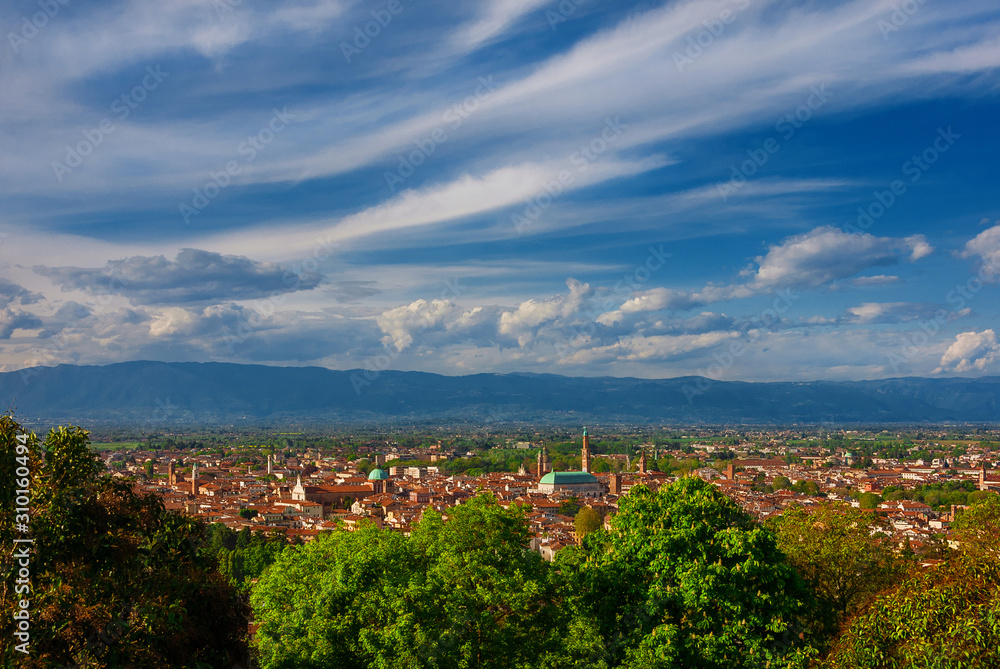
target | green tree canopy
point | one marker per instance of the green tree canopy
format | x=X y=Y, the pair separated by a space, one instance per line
x=946 y=617
x=461 y=593
x=116 y=581
x=977 y=528
x=686 y=579
x=587 y=521
x=843 y=557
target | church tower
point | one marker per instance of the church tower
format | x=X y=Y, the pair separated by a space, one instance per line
x=544 y=463
x=642 y=462
x=194 y=479
x=585 y=453
x=172 y=473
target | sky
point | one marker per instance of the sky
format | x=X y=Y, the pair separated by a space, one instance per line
x=758 y=190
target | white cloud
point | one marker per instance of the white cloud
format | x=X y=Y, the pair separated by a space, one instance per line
x=826 y=254
x=970 y=352
x=530 y=314
x=400 y=324
x=496 y=16
x=986 y=246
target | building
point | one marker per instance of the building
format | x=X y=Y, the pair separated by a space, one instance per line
x=577 y=483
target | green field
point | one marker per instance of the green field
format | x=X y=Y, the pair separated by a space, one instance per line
x=116 y=446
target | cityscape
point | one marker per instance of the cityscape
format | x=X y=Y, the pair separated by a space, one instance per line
x=508 y=334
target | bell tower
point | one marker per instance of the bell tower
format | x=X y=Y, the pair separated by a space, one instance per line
x=585 y=452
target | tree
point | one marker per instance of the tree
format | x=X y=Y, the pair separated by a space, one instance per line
x=570 y=506
x=945 y=618
x=684 y=578
x=869 y=500
x=461 y=593
x=116 y=580
x=977 y=528
x=587 y=520
x=781 y=482
x=841 y=555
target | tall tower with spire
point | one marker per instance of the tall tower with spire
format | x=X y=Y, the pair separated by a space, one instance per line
x=544 y=463
x=194 y=479
x=585 y=453
x=642 y=462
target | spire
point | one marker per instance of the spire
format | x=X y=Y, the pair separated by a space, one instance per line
x=642 y=462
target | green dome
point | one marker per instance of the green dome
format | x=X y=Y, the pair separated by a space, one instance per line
x=377 y=475
x=562 y=478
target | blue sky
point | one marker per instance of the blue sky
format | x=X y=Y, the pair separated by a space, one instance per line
x=742 y=189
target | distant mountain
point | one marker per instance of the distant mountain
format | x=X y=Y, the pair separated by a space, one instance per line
x=159 y=393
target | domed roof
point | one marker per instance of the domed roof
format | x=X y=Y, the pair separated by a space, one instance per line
x=377 y=475
x=564 y=478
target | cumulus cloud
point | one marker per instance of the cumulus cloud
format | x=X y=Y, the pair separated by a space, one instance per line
x=971 y=351
x=986 y=247
x=530 y=314
x=401 y=323
x=194 y=276
x=11 y=292
x=827 y=254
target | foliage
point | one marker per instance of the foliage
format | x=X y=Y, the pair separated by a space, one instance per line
x=936 y=495
x=570 y=506
x=252 y=554
x=843 y=557
x=977 y=528
x=116 y=581
x=869 y=500
x=686 y=579
x=461 y=593
x=587 y=520
x=947 y=617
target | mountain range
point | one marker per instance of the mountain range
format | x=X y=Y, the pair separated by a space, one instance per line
x=151 y=394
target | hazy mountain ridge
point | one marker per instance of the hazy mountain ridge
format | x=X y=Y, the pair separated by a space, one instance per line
x=173 y=393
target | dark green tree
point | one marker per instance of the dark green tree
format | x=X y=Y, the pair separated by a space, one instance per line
x=686 y=579
x=116 y=581
x=842 y=555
